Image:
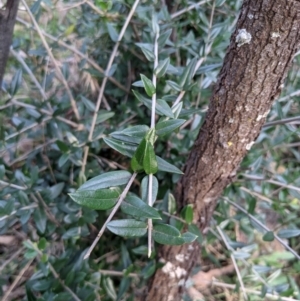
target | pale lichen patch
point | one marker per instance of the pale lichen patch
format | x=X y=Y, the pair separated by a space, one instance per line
x=173 y=271
x=249 y=145
x=180 y=272
x=208 y=200
x=168 y=268
x=259 y=117
x=190 y=248
x=243 y=37
x=179 y=257
x=275 y=35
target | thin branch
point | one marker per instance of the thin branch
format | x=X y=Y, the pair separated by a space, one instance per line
x=256 y=194
x=104 y=81
x=249 y=291
x=56 y=276
x=183 y=11
x=287 y=97
x=263 y=226
x=117 y=273
x=234 y=263
x=101 y=13
x=121 y=198
x=282 y=121
x=283 y=185
x=24 y=156
x=5 y=184
x=69 y=122
x=152 y=126
x=11 y=258
x=59 y=72
x=29 y=127
x=28 y=70
x=16 y=281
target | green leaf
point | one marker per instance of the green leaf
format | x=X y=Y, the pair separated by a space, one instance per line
x=146 y=101
x=136 y=167
x=188 y=73
x=42 y=243
x=104 y=115
x=163 y=165
x=240 y=255
x=56 y=190
x=109 y=288
x=171 y=203
x=125 y=149
x=187 y=213
x=162 y=39
x=138 y=83
x=88 y=104
x=40 y=219
x=148 y=53
x=168 y=126
x=149 y=161
x=161 y=108
x=35 y=7
x=195 y=230
x=149 y=269
x=63 y=147
x=127 y=227
x=63 y=159
x=29 y=294
x=140 y=153
x=269 y=236
x=252 y=205
x=167 y=235
x=125 y=138
x=208 y=68
x=16 y=82
x=136 y=131
x=162 y=67
x=177 y=109
x=174 y=85
x=150 y=136
x=134 y=206
x=189 y=237
x=108 y=179
x=148 y=85
x=185 y=113
x=102 y=199
x=2 y=171
x=288 y=233
x=144 y=189
x=112 y=32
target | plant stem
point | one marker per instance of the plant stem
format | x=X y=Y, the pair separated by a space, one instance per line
x=121 y=198
x=263 y=226
x=103 y=85
x=152 y=126
x=234 y=263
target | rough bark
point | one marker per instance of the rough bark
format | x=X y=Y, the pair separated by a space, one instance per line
x=251 y=78
x=7 y=22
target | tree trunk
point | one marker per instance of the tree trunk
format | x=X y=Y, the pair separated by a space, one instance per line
x=7 y=22
x=256 y=63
